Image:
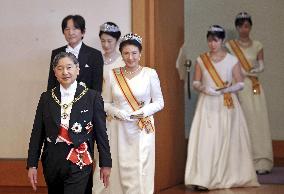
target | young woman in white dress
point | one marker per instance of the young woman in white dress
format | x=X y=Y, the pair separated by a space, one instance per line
x=219 y=148
x=133 y=97
x=109 y=35
x=252 y=98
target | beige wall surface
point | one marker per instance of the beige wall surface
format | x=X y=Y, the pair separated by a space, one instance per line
x=268 y=22
x=30 y=29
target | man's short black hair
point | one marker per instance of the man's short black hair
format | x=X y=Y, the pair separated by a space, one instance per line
x=79 y=22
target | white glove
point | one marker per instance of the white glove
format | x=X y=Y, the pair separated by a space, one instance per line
x=198 y=86
x=248 y=73
x=259 y=67
x=210 y=91
x=233 y=88
x=205 y=89
x=138 y=114
x=122 y=115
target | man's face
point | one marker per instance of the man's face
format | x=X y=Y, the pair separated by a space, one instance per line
x=66 y=72
x=73 y=35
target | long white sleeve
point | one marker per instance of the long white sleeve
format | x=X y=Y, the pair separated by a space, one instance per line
x=157 y=102
x=110 y=109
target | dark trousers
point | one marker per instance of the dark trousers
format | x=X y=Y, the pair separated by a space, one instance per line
x=61 y=175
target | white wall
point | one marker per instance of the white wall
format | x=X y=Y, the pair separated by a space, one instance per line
x=30 y=29
x=268 y=27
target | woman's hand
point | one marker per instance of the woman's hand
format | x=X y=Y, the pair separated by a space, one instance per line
x=122 y=115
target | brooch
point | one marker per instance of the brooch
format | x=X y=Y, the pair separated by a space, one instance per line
x=89 y=127
x=77 y=127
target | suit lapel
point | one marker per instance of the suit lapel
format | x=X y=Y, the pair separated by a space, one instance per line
x=55 y=109
x=82 y=57
x=64 y=49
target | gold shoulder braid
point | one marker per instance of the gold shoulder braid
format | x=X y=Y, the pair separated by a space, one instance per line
x=66 y=106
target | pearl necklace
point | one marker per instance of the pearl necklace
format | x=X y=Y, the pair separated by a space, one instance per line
x=132 y=72
x=109 y=60
x=245 y=44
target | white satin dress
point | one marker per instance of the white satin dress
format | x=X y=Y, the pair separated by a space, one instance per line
x=135 y=148
x=256 y=114
x=219 y=148
x=115 y=186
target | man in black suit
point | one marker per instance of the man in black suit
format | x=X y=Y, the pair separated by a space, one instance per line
x=90 y=59
x=68 y=121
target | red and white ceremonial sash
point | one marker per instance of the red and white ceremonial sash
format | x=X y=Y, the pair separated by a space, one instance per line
x=79 y=156
x=246 y=65
x=144 y=123
x=228 y=100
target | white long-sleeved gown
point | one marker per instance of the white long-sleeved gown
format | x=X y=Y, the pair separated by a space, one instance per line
x=115 y=186
x=135 y=148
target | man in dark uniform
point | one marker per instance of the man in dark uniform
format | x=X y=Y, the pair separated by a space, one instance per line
x=90 y=59
x=68 y=121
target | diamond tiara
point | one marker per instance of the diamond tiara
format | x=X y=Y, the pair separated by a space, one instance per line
x=243 y=15
x=215 y=29
x=131 y=36
x=109 y=28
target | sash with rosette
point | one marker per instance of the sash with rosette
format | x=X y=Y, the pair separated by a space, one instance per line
x=144 y=123
x=246 y=65
x=228 y=100
x=79 y=156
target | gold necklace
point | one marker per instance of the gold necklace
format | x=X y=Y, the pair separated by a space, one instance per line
x=132 y=72
x=66 y=106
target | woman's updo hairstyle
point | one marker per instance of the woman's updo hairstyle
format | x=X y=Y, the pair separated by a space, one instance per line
x=216 y=31
x=241 y=18
x=130 y=39
x=111 y=29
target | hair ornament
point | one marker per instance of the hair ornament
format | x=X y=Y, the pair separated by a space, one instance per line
x=243 y=15
x=131 y=36
x=215 y=29
x=109 y=28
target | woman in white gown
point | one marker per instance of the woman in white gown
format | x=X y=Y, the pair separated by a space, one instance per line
x=252 y=98
x=134 y=95
x=109 y=35
x=219 y=149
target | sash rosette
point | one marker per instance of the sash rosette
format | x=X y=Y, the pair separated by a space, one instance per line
x=79 y=156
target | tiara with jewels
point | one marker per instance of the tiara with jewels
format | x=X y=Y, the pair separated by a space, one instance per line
x=243 y=15
x=131 y=36
x=215 y=29
x=109 y=28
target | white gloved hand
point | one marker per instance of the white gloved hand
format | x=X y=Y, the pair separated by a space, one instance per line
x=210 y=91
x=233 y=88
x=205 y=89
x=122 y=115
x=138 y=114
x=258 y=68
x=253 y=71
x=198 y=86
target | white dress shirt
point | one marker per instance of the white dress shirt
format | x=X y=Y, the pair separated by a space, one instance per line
x=75 y=50
x=67 y=96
